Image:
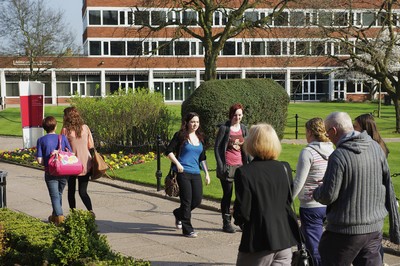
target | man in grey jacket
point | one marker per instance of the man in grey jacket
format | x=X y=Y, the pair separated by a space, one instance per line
x=358 y=192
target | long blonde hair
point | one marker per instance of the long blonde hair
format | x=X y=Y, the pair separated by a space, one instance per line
x=263 y=142
x=316 y=126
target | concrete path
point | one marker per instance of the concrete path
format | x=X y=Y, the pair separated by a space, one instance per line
x=137 y=220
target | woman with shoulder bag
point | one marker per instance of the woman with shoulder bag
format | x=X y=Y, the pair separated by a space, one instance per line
x=81 y=140
x=186 y=151
x=229 y=156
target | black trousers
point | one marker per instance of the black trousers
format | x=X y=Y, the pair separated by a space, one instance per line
x=227 y=190
x=83 y=182
x=190 y=194
x=359 y=250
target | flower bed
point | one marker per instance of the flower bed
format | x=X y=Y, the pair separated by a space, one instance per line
x=114 y=160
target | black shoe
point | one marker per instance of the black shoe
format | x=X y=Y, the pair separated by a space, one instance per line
x=227 y=228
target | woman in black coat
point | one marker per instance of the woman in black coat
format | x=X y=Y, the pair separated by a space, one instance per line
x=262 y=206
x=229 y=155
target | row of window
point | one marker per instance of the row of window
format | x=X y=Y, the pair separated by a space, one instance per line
x=303 y=86
x=294 y=17
x=231 y=48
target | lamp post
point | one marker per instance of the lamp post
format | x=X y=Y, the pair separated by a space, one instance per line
x=158 y=172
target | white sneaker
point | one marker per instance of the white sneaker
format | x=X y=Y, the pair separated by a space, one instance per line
x=178 y=224
x=191 y=235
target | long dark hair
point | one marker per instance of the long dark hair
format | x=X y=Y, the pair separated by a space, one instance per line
x=367 y=123
x=184 y=132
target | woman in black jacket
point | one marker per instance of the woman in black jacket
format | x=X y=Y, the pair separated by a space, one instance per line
x=229 y=156
x=262 y=206
x=186 y=152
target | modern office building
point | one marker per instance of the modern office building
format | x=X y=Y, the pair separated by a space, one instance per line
x=119 y=53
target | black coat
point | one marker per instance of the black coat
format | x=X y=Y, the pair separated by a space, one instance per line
x=262 y=207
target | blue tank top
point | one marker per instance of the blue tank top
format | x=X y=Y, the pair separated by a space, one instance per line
x=189 y=158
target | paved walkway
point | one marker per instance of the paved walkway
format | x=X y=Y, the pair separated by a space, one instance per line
x=137 y=220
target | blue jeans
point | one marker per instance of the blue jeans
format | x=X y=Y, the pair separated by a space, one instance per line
x=312 y=220
x=55 y=186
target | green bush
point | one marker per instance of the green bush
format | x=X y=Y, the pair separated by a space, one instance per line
x=29 y=241
x=125 y=121
x=264 y=100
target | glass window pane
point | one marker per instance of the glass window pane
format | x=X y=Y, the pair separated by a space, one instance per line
x=274 y=48
x=63 y=89
x=250 y=16
x=189 y=18
x=117 y=48
x=135 y=48
x=297 y=19
x=110 y=17
x=341 y=18
x=368 y=18
x=158 y=17
x=325 y=18
x=142 y=17
x=94 y=17
x=229 y=48
x=165 y=48
x=94 y=47
x=181 y=48
x=258 y=48
x=122 y=18
x=282 y=19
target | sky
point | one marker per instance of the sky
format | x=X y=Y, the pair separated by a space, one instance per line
x=72 y=15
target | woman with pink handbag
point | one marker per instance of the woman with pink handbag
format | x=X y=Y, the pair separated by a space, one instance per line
x=81 y=140
x=46 y=145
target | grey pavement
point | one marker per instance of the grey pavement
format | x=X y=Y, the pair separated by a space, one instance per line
x=137 y=220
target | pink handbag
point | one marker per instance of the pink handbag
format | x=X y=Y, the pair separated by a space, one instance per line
x=64 y=163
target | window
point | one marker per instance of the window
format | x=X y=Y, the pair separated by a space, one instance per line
x=258 y=48
x=173 y=16
x=122 y=18
x=94 y=47
x=340 y=19
x=94 y=17
x=181 y=48
x=189 y=18
x=229 y=48
x=165 y=48
x=105 y=48
x=130 y=18
x=297 y=19
x=325 y=18
x=368 y=19
x=302 y=48
x=274 y=48
x=282 y=19
x=135 y=48
x=110 y=17
x=250 y=16
x=158 y=17
x=117 y=48
x=317 y=48
x=142 y=17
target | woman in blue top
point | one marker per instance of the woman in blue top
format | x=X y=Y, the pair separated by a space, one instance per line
x=55 y=184
x=186 y=151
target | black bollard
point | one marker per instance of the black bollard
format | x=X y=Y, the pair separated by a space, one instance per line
x=158 y=172
x=3 y=183
x=297 y=125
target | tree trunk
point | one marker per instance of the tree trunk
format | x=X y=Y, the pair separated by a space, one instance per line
x=210 y=65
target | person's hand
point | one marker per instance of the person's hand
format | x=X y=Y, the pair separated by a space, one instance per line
x=208 y=180
x=179 y=167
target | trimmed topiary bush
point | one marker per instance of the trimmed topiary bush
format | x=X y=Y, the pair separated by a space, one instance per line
x=264 y=100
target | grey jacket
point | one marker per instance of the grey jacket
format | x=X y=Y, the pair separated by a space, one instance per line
x=357 y=188
x=221 y=144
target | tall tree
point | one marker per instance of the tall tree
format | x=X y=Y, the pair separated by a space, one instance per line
x=201 y=13
x=32 y=30
x=369 y=45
